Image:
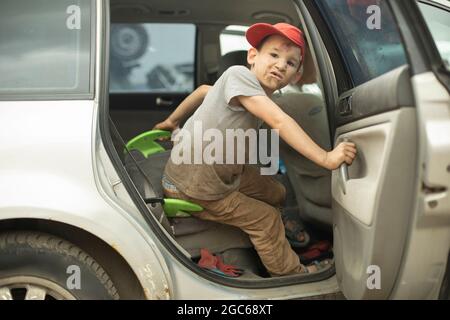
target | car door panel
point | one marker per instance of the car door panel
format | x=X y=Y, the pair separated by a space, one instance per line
x=367 y=231
x=371 y=209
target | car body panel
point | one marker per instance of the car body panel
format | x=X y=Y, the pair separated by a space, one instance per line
x=47 y=173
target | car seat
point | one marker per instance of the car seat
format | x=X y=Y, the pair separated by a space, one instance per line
x=233 y=58
x=311 y=183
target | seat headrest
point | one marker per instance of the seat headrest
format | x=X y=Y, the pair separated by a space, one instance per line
x=233 y=58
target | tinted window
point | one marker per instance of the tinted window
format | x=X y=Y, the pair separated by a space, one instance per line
x=366 y=35
x=438 y=21
x=45 y=47
x=152 y=57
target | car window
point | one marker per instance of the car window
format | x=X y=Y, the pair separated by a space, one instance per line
x=152 y=57
x=232 y=38
x=45 y=47
x=438 y=21
x=366 y=36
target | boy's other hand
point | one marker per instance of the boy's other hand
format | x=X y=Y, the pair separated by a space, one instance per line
x=167 y=125
x=344 y=152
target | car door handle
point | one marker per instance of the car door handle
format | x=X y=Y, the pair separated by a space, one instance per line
x=343 y=172
x=163 y=102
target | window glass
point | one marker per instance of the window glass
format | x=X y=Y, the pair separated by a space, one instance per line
x=45 y=47
x=366 y=35
x=233 y=38
x=438 y=21
x=152 y=57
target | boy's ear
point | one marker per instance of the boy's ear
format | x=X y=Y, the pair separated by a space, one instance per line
x=251 y=55
x=297 y=76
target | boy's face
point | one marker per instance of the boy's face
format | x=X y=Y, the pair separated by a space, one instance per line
x=276 y=64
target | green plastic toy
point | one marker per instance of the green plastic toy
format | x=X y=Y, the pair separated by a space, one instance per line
x=177 y=208
x=146 y=144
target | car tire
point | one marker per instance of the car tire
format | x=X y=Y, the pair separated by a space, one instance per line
x=128 y=42
x=36 y=266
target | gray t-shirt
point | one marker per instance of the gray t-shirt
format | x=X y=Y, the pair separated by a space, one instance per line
x=215 y=181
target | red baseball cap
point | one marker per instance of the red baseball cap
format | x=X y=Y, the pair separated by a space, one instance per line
x=259 y=31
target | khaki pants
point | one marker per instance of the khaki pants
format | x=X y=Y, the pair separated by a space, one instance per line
x=253 y=208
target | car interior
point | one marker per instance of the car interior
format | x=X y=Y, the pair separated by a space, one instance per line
x=140 y=30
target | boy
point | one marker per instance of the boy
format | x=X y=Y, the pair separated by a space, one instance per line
x=237 y=194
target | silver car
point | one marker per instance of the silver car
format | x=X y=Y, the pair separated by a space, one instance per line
x=82 y=214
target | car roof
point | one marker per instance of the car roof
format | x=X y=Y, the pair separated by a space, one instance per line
x=225 y=12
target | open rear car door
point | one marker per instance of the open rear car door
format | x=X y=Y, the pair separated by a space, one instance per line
x=391 y=207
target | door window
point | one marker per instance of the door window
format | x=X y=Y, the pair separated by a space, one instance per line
x=45 y=48
x=366 y=36
x=152 y=57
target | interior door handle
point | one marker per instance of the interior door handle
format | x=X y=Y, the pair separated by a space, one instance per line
x=343 y=172
x=163 y=103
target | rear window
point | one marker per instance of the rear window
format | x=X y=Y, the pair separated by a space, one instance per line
x=152 y=57
x=45 y=47
x=232 y=38
x=366 y=35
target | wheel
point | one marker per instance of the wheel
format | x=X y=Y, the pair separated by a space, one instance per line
x=128 y=42
x=39 y=266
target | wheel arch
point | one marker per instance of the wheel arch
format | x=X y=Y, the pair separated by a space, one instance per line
x=120 y=272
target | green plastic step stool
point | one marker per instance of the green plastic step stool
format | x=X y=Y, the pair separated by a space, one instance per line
x=177 y=208
x=146 y=144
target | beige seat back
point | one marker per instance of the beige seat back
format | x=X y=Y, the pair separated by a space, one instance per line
x=311 y=183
